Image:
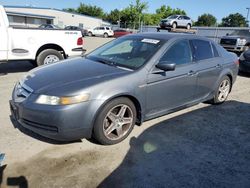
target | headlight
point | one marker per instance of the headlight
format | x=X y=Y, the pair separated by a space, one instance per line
x=241 y=42
x=54 y=100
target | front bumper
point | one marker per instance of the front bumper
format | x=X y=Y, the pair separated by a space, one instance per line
x=233 y=48
x=165 y=24
x=62 y=123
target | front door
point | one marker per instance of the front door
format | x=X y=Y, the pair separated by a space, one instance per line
x=181 y=21
x=172 y=89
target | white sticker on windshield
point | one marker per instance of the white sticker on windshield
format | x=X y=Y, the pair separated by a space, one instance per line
x=152 y=41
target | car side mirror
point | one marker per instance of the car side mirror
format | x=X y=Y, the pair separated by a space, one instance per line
x=166 y=66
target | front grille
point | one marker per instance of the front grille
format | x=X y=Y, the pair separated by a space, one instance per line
x=22 y=91
x=48 y=128
x=228 y=41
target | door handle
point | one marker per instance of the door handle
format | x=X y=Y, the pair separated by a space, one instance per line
x=218 y=66
x=191 y=73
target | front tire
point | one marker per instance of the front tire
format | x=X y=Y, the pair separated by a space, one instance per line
x=48 y=56
x=115 y=121
x=222 y=91
x=174 y=25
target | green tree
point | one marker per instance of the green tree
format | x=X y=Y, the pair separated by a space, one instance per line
x=151 y=19
x=70 y=10
x=114 y=16
x=234 y=20
x=206 y=20
x=134 y=14
x=90 y=10
x=166 y=11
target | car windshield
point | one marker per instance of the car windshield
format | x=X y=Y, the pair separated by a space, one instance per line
x=172 y=17
x=245 y=33
x=129 y=52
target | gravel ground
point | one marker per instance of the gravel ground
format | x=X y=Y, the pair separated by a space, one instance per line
x=202 y=146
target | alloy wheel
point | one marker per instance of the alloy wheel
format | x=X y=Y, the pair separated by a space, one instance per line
x=51 y=59
x=224 y=90
x=118 y=122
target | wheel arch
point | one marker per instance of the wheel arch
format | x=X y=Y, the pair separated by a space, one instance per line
x=134 y=100
x=228 y=73
x=51 y=46
x=231 y=80
x=175 y=23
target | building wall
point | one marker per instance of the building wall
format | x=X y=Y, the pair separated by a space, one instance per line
x=62 y=18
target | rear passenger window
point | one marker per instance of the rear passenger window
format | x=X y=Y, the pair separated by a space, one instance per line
x=179 y=53
x=216 y=54
x=202 y=50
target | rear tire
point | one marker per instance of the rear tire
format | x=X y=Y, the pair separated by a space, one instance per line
x=115 y=121
x=105 y=35
x=90 y=34
x=188 y=26
x=48 y=56
x=222 y=91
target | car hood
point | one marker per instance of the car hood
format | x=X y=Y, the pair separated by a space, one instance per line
x=87 y=72
x=166 y=20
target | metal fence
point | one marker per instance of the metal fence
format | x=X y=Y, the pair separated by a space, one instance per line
x=214 y=33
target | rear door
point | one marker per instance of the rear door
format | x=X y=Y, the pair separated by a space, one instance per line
x=209 y=66
x=172 y=89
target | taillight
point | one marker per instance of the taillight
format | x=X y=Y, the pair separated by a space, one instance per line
x=79 y=41
x=237 y=62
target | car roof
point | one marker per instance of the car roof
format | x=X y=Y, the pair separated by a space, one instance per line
x=168 y=36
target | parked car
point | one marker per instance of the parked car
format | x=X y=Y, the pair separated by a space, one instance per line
x=83 y=31
x=175 y=21
x=238 y=41
x=101 y=31
x=40 y=46
x=121 y=32
x=49 y=26
x=125 y=82
x=245 y=61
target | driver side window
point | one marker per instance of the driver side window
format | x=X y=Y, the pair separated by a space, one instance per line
x=179 y=53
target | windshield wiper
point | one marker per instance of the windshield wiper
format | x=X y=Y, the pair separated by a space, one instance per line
x=103 y=61
x=107 y=62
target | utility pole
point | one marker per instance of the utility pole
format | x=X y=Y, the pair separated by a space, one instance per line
x=248 y=9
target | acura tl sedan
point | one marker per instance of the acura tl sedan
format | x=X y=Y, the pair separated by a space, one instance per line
x=125 y=82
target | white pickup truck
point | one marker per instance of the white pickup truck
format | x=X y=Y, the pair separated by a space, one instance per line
x=41 y=46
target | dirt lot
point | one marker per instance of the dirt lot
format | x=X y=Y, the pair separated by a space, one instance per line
x=202 y=146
